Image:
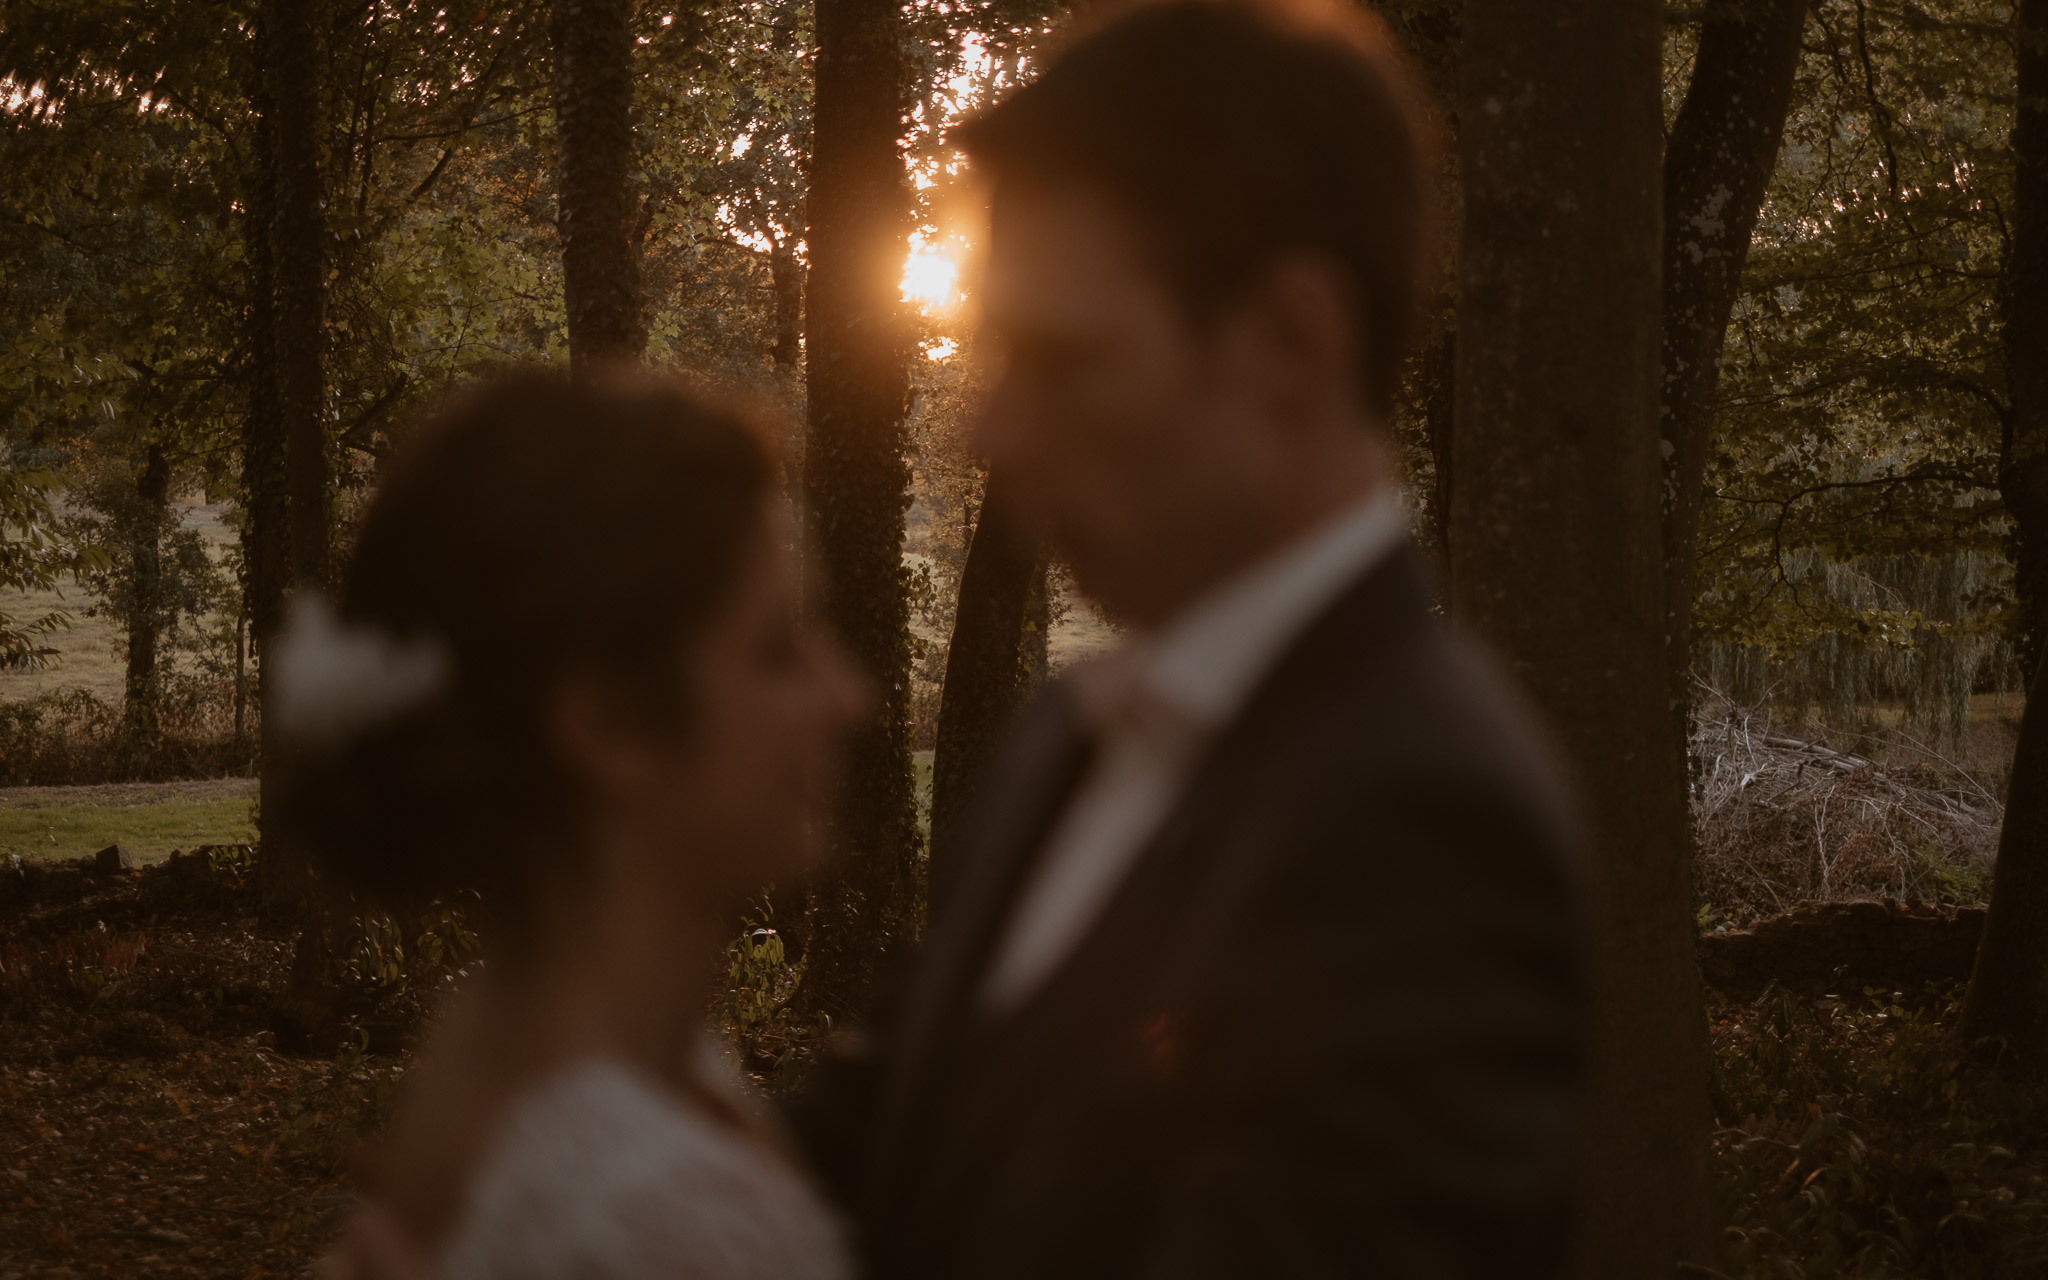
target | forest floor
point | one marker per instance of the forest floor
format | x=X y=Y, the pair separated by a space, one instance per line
x=150 y=1126
x=1856 y=1137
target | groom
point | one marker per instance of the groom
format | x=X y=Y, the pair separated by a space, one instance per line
x=1260 y=957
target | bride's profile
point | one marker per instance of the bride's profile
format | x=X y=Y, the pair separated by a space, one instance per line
x=566 y=672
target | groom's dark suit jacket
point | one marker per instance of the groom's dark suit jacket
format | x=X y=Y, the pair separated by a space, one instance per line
x=1328 y=1026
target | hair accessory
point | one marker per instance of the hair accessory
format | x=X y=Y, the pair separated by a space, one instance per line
x=335 y=680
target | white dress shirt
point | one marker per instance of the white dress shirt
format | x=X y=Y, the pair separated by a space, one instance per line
x=1154 y=704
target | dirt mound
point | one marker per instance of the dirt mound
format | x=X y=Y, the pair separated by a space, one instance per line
x=1846 y=946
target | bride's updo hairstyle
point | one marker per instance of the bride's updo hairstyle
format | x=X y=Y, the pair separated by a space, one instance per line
x=529 y=533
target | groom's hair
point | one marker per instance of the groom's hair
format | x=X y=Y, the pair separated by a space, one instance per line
x=1228 y=132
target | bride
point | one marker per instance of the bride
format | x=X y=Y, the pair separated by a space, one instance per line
x=566 y=673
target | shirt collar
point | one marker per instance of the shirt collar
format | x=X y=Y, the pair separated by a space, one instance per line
x=1206 y=662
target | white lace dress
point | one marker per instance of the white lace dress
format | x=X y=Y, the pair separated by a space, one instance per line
x=601 y=1175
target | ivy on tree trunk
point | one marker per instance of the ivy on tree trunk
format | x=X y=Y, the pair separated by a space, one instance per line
x=857 y=484
x=300 y=243
x=1555 y=554
x=295 y=88
x=1723 y=150
x=786 y=273
x=1433 y=384
x=265 y=559
x=593 y=42
x=985 y=664
x=142 y=705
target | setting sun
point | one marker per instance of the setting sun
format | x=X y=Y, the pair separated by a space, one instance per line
x=930 y=276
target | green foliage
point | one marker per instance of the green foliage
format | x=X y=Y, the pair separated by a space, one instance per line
x=153 y=572
x=757 y=982
x=383 y=952
x=724 y=131
x=118 y=243
x=757 y=1007
x=33 y=554
x=1852 y=543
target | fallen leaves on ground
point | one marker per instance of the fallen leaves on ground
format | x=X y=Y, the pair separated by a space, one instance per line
x=148 y=1125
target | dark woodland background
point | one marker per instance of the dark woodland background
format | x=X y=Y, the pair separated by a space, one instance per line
x=1781 y=582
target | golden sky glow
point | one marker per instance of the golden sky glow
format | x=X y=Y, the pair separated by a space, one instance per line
x=935 y=265
x=931 y=275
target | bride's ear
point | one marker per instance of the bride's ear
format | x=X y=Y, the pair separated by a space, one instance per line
x=595 y=740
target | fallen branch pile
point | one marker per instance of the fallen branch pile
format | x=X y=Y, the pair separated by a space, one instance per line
x=1784 y=820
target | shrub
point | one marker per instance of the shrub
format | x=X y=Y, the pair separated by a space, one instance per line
x=75 y=738
x=1857 y=1138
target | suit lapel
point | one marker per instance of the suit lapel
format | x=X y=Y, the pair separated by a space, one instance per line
x=1029 y=786
x=1262 y=749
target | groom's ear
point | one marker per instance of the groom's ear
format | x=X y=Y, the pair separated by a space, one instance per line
x=1295 y=334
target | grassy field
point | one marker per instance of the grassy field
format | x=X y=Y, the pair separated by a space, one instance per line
x=150 y=818
x=89 y=657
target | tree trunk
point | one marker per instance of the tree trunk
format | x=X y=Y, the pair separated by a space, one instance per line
x=857 y=482
x=300 y=245
x=2009 y=990
x=1432 y=32
x=2023 y=470
x=1036 y=654
x=594 y=135
x=1556 y=562
x=985 y=666
x=242 y=671
x=2008 y=998
x=1723 y=150
x=265 y=553
x=1436 y=374
x=787 y=275
x=296 y=91
x=143 y=702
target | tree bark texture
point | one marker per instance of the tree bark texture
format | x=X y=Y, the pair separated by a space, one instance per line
x=786 y=273
x=299 y=242
x=2023 y=476
x=1556 y=560
x=265 y=552
x=1436 y=374
x=857 y=482
x=985 y=665
x=2008 y=999
x=2009 y=990
x=1036 y=652
x=295 y=90
x=1432 y=33
x=594 y=135
x=1723 y=150
x=146 y=619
